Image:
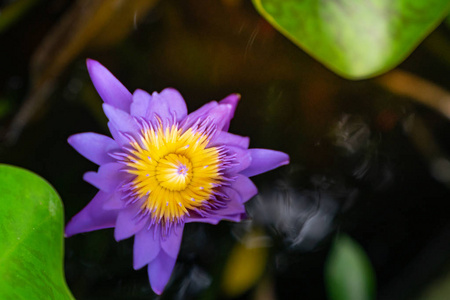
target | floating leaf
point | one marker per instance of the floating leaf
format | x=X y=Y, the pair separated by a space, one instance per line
x=348 y=272
x=31 y=237
x=356 y=39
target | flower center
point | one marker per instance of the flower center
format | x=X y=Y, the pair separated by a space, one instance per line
x=174 y=171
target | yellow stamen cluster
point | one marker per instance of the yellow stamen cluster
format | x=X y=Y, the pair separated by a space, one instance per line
x=175 y=171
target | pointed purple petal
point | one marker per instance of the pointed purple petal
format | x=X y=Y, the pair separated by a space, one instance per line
x=93 y=146
x=243 y=159
x=129 y=222
x=245 y=187
x=146 y=247
x=110 y=89
x=264 y=160
x=121 y=120
x=226 y=138
x=172 y=243
x=233 y=100
x=92 y=216
x=107 y=178
x=159 y=271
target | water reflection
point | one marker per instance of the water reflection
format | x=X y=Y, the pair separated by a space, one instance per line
x=195 y=281
x=359 y=148
x=301 y=219
x=351 y=133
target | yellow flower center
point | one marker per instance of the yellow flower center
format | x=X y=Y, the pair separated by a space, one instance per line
x=175 y=171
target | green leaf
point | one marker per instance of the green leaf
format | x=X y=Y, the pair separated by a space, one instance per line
x=348 y=272
x=31 y=237
x=356 y=39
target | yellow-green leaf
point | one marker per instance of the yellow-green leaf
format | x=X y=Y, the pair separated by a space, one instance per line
x=356 y=39
x=31 y=238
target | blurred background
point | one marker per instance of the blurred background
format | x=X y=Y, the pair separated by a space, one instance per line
x=370 y=166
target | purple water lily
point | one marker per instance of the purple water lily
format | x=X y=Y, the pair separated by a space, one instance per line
x=164 y=168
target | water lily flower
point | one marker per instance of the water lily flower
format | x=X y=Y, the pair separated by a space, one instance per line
x=164 y=168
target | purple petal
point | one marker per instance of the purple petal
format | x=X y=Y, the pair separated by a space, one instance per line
x=171 y=244
x=159 y=271
x=203 y=110
x=233 y=100
x=176 y=106
x=92 y=216
x=121 y=120
x=129 y=221
x=226 y=138
x=242 y=159
x=210 y=220
x=107 y=178
x=117 y=136
x=233 y=218
x=216 y=114
x=199 y=113
x=245 y=187
x=264 y=160
x=234 y=206
x=146 y=247
x=93 y=146
x=110 y=89
x=221 y=115
x=214 y=220
x=115 y=202
x=140 y=105
x=235 y=210
x=167 y=105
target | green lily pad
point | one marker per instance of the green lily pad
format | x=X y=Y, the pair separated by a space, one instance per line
x=31 y=243
x=356 y=39
x=348 y=272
